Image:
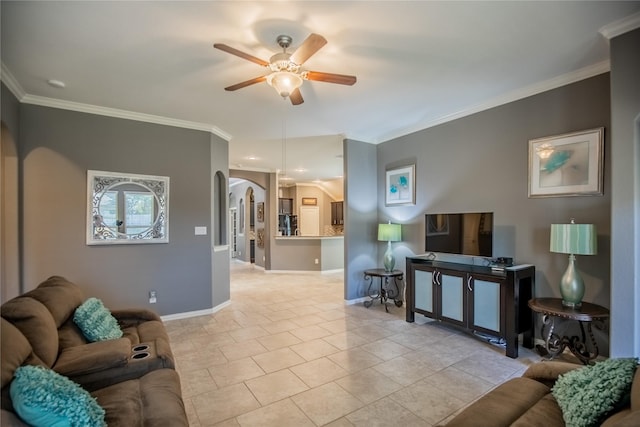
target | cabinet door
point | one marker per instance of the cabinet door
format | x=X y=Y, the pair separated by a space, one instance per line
x=337 y=217
x=285 y=206
x=452 y=296
x=484 y=298
x=424 y=291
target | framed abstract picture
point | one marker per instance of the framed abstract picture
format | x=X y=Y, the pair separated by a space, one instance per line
x=400 y=188
x=567 y=165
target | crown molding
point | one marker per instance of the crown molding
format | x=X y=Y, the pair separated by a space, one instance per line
x=122 y=114
x=11 y=82
x=621 y=26
x=525 y=92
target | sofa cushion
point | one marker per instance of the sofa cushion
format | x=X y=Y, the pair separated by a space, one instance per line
x=36 y=323
x=152 y=400
x=588 y=394
x=506 y=404
x=545 y=412
x=60 y=296
x=96 y=322
x=42 y=397
x=16 y=351
x=69 y=335
x=21 y=351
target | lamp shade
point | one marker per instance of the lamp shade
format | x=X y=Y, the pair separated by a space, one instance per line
x=576 y=239
x=389 y=232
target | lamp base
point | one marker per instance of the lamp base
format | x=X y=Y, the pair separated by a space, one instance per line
x=572 y=286
x=389 y=260
x=573 y=305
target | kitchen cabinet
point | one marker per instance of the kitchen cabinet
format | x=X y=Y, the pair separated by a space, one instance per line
x=475 y=298
x=285 y=206
x=337 y=214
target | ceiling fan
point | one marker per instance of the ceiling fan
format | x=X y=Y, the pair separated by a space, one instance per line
x=287 y=74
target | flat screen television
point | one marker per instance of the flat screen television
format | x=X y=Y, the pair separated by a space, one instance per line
x=460 y=233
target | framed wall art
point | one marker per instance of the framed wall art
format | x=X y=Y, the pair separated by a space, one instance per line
x=567 y=165
x=309 y=201
x=400 y=187
x=260 y=212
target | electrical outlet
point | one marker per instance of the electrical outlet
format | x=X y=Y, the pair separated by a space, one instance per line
x=317 y=261
x=153 y=297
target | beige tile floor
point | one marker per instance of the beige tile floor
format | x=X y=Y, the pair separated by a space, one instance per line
x=288 y=351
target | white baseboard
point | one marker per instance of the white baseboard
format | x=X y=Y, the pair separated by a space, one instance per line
x=356 y=300
x=339 y=270
x=196 y=313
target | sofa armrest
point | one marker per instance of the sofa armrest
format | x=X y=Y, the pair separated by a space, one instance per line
x=133 y=316
x=547 y=372
x=93 y=357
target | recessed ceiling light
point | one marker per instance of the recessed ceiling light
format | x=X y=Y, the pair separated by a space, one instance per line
x=56 y=83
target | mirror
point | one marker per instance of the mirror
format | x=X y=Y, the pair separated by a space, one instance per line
x=127 y=208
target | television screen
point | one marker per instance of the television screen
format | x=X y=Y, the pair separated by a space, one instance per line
x=460 y=233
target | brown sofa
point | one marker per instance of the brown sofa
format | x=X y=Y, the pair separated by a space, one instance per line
x=133 y=377
x=528 y=401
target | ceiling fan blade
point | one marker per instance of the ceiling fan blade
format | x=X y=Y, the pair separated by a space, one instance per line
x=241 y=54
x=246 y=83
x=296 y=97
x=341 y=79
x=311 y=45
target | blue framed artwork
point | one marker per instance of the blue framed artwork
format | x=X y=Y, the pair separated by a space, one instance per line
x=400 y=188
x=567 y=165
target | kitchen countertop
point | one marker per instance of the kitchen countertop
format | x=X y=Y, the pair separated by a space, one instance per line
x=308 y=237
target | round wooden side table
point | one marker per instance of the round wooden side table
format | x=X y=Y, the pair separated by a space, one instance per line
x=552 y=308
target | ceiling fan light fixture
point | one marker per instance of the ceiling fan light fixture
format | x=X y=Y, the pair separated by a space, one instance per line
x=284 y=82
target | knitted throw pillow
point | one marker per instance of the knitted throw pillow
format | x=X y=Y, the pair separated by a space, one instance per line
x=42 y=397
x=588 y=394
x=96 y=322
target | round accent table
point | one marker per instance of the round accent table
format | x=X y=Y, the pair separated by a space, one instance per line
x=385 y=290
x=552 y=308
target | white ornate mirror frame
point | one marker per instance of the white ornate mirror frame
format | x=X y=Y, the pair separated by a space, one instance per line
x=127 y=208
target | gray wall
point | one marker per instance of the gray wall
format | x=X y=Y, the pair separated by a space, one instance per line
x=10 y=108
x=480 y=163
x=9 y=204
x=360 y=215
x=57 y=147
x=625 y=203
x=221 y=274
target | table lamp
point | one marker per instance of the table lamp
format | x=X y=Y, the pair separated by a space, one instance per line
x=573 y=239
x=389 y=233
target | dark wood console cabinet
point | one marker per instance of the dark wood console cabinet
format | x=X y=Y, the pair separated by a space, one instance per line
x=474 y=298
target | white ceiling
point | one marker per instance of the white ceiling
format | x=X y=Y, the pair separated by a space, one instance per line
x=418 y=63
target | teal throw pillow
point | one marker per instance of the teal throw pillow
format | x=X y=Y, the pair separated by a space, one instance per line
x=96 y=322
x=586 y=395
x=42 y=397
